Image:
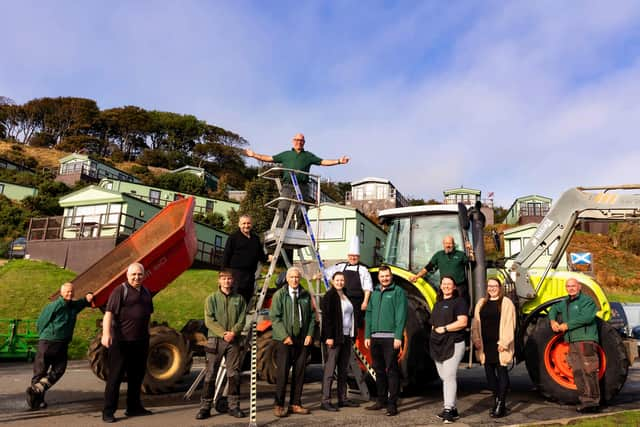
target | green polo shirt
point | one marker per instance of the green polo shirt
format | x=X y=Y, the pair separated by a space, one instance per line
x=302 y=161
x=451 y=264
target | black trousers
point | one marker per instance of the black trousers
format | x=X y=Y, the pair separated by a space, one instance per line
x=338 y=356
x=283 y=206
x=497 y=379
x=50 y=361
x=130 y=358
x=288 y=356
x=244 y=282
x=385 y=363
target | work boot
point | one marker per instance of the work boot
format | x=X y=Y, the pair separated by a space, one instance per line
x=236 y=412
x=587 y=409
x=32 y=399
x=203 y=414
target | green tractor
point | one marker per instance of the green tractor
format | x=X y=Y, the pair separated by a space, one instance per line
x=416 y=233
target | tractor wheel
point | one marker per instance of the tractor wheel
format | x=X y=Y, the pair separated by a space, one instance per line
x=168 y=359
x=97 y=355
x=617 y=364
x=266 y=357
x=546 y=356
x=415 y=363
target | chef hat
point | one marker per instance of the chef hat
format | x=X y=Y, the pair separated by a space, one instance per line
x=354 y=246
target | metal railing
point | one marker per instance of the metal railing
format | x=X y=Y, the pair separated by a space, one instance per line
x=83 y=226
x=394 y=194
x=209 y=254
x=157 y=201
x=92 y=171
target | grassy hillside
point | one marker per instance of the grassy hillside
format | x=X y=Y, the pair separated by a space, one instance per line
x=618 y=271
x=49 y=158
x=25 y=287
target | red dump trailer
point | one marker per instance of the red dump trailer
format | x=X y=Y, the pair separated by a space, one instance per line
x=166 y=246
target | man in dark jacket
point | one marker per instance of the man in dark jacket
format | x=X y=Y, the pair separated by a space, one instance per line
x=575 y=316
x=384 y=325
x=125 y=333
x=55 y=329
x=242 y=253
x=224 y=315
x=292 y=327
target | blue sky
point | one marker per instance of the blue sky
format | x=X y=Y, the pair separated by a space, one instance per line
x=514 y=98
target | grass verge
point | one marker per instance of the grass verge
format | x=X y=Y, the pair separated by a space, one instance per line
x=619 y=419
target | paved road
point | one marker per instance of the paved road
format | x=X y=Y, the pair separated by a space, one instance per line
x=77 y=401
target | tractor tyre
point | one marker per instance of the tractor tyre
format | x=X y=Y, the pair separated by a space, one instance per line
x=617 y=364
x=266 y=357
x=416 y=365
x=97 y=355
x=169 y=357
x=546 y=357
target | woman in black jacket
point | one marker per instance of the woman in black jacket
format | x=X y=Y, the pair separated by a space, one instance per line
x=338 y=331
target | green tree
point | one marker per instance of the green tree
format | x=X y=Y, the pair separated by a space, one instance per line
x=499 y=214
x=45 y=203
x=212 y=219
x=182 y=182
x=335 y=190
x=127 y=126
x=259 y=192
x=68 y=116
x=13 y=219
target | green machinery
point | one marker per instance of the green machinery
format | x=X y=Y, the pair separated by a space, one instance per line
x=18 y=339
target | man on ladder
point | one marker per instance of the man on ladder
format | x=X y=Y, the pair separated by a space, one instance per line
x=300 y=159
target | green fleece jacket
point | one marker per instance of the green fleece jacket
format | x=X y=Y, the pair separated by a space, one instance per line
x=386 y=312
x=224 y=313
x=580 y=316
x=58 y=318
x=281 y=314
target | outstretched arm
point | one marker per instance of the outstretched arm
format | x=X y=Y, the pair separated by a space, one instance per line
x=262 y=157
x=341 y=161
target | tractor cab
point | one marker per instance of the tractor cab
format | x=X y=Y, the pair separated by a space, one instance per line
x=416 y=233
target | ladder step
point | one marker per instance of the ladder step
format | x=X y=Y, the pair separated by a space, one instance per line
x=292 y=239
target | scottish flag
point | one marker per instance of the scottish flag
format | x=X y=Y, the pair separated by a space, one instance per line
x=580 y=258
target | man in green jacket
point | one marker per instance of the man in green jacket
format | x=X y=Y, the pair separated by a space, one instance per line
x=384 y=325
x=292 y=328
x=575 y=316
x=55 y=329
x=450 y=262
x=224 y=315
x=299 y=159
